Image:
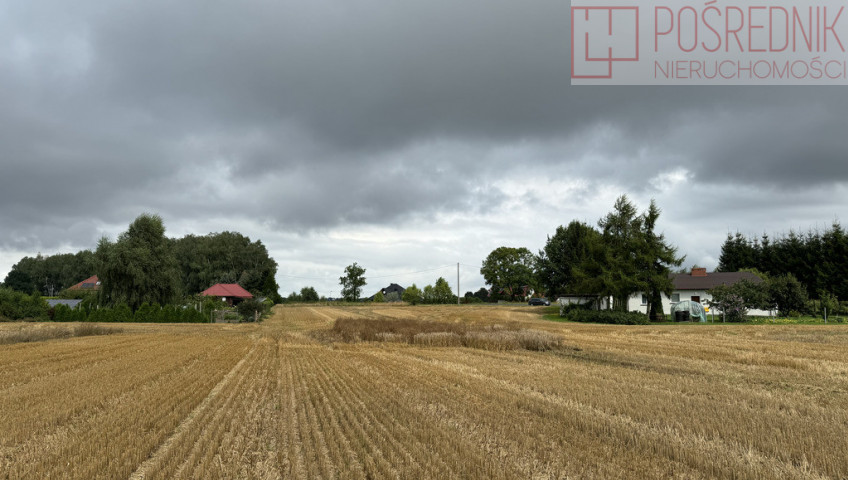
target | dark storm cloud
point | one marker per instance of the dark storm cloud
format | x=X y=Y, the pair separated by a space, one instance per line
x=324 y=113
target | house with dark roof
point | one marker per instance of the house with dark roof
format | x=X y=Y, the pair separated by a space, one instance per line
x=91 y=284
x=232 y=293
x=393 y=288
x=694 y=286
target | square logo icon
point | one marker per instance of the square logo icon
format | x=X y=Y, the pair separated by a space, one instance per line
x=600 y=37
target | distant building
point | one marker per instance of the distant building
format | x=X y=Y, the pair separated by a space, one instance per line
x=393 y=288
x=232 y=293
x=91 y=284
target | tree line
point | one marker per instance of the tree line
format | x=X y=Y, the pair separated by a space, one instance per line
x=354 y=279
x=439 y=293
x=49 y=275
x=625 y=254
x=817 y=259
x=783 y=294
x=143 y=266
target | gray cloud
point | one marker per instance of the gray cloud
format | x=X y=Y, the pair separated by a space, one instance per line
x=317 y=117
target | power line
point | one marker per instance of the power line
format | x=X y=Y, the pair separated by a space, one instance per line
x=414 y=273
x=370 y=276
x=302 y=278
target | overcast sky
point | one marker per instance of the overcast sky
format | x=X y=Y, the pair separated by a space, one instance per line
x=405 y=136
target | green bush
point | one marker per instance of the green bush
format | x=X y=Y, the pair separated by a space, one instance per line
x=249 y=307
x=61 y=313
x=168 y=314
x=121 y=313
x=788 y=294
x=565 y=310
x=190 y=315
x=18 y=306
x=606 y=316
x=101 y=315
x=412 y=295
x=146 y=313
x=64 y=313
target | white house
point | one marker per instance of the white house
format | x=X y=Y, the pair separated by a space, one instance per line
x=694 y=286
x=601 y=302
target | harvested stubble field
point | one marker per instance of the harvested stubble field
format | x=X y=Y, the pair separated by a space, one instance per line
x=301 y=396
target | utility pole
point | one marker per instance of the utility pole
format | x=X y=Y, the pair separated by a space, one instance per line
x=457 y=283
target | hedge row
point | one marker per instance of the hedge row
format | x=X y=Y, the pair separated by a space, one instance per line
x=123 y=313
x=606 y=316
x=18 y=306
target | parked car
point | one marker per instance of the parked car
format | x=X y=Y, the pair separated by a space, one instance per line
x=539 y=301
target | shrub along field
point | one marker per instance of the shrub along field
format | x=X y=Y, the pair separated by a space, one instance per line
x=387 y=391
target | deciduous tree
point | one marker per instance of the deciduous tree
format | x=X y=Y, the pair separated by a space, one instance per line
x=50 y=274
x=226 y=257
x=787 y=294
x=509 y=270
x=352 y=282
x=412 y=295
x=308 y=294
x=566 y=250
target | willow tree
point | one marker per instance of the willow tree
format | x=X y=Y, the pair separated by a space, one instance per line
x=140 y=267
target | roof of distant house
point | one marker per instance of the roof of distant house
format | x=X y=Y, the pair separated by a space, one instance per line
x=91 y=283
x=227 y=290
x=699 y=279
x=72 y=303
x=393 y=288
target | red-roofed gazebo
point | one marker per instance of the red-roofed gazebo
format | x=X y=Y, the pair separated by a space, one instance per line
x=231 y=293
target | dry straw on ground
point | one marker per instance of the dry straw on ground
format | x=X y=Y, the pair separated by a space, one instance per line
x=440 y=334
x=38 y=333
x=269 y=401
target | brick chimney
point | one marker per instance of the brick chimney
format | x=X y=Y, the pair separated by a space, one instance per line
x=699 y=272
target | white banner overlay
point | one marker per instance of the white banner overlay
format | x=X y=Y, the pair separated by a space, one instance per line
x=678 y=42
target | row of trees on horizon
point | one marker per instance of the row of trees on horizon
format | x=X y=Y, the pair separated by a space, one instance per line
x=622 y=255
x=144 y=266
x=625 y=254
x=817 y=259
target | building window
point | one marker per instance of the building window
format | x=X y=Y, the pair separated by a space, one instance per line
x=644 y=299
x=675 y=297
